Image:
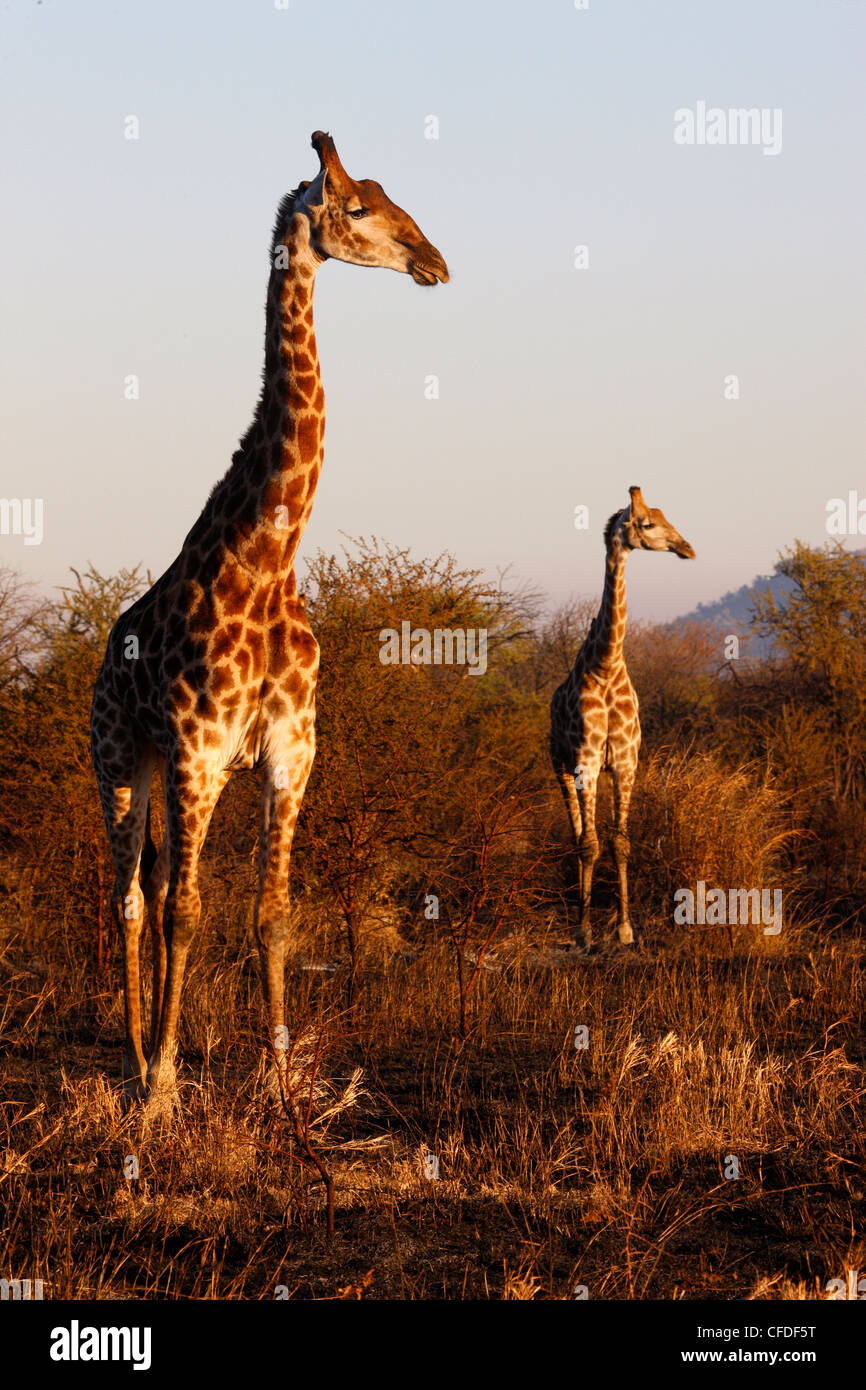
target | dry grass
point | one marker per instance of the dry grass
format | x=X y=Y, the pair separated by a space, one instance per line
x=605 y=1166
x=695 y=818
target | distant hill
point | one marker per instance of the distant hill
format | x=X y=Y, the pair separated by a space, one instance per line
x=732 y=612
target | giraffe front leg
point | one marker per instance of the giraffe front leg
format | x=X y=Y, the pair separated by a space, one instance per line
x=589 y=852
x=621 y=847
x=623 y=782
x=285 y=778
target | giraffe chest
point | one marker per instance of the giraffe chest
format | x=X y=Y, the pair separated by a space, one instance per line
x=223 y=672
x=234 y=708
x=601 y=713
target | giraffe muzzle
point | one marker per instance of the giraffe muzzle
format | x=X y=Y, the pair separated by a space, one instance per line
x=426 y=266
x=683 y=549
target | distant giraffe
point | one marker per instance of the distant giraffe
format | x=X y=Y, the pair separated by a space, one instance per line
x=594 y=723
x=214 y=668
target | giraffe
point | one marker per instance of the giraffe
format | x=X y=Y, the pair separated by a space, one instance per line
x=594 y=722
x=214 y=667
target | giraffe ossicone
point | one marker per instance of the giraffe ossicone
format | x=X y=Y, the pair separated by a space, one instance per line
x=225 y=665
x=594 y=721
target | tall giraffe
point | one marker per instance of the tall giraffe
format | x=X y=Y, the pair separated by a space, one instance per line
x=214 y=668
x=594 y=723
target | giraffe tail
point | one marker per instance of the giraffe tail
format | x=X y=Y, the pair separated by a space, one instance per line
x=148 y=853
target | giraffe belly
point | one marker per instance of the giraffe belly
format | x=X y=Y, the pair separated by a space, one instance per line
x=271 y=731
x=245 y=750
x=253 y=734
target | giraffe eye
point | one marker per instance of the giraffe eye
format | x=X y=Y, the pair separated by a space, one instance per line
x=357 y=213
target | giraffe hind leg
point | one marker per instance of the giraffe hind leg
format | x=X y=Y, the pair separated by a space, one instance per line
x=124 y=784
x=572 y=807
x=155 y=885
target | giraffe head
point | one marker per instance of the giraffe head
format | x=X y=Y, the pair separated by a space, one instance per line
x=646 y=528
x=354 y=220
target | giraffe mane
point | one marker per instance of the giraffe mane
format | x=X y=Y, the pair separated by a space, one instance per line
x=284 y=212
x=609 y=529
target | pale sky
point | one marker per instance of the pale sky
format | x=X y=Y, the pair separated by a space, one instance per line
x=558 y=386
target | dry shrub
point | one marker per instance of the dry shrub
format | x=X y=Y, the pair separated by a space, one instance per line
x=693 y=818
x=674 y=669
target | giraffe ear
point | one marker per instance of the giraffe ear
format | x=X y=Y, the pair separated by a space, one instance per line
x=312 y=193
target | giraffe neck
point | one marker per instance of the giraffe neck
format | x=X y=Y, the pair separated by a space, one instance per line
x=261 y=508
x=608 y=629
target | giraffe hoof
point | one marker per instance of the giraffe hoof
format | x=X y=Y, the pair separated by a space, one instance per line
x=132 y=1094
x=162 y=1099
x=134 y=1085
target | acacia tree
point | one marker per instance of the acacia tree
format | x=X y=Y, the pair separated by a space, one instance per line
x=486 y=878
x=821 y=628
x=398 y=744
x=808 y=705
x=21 y=614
